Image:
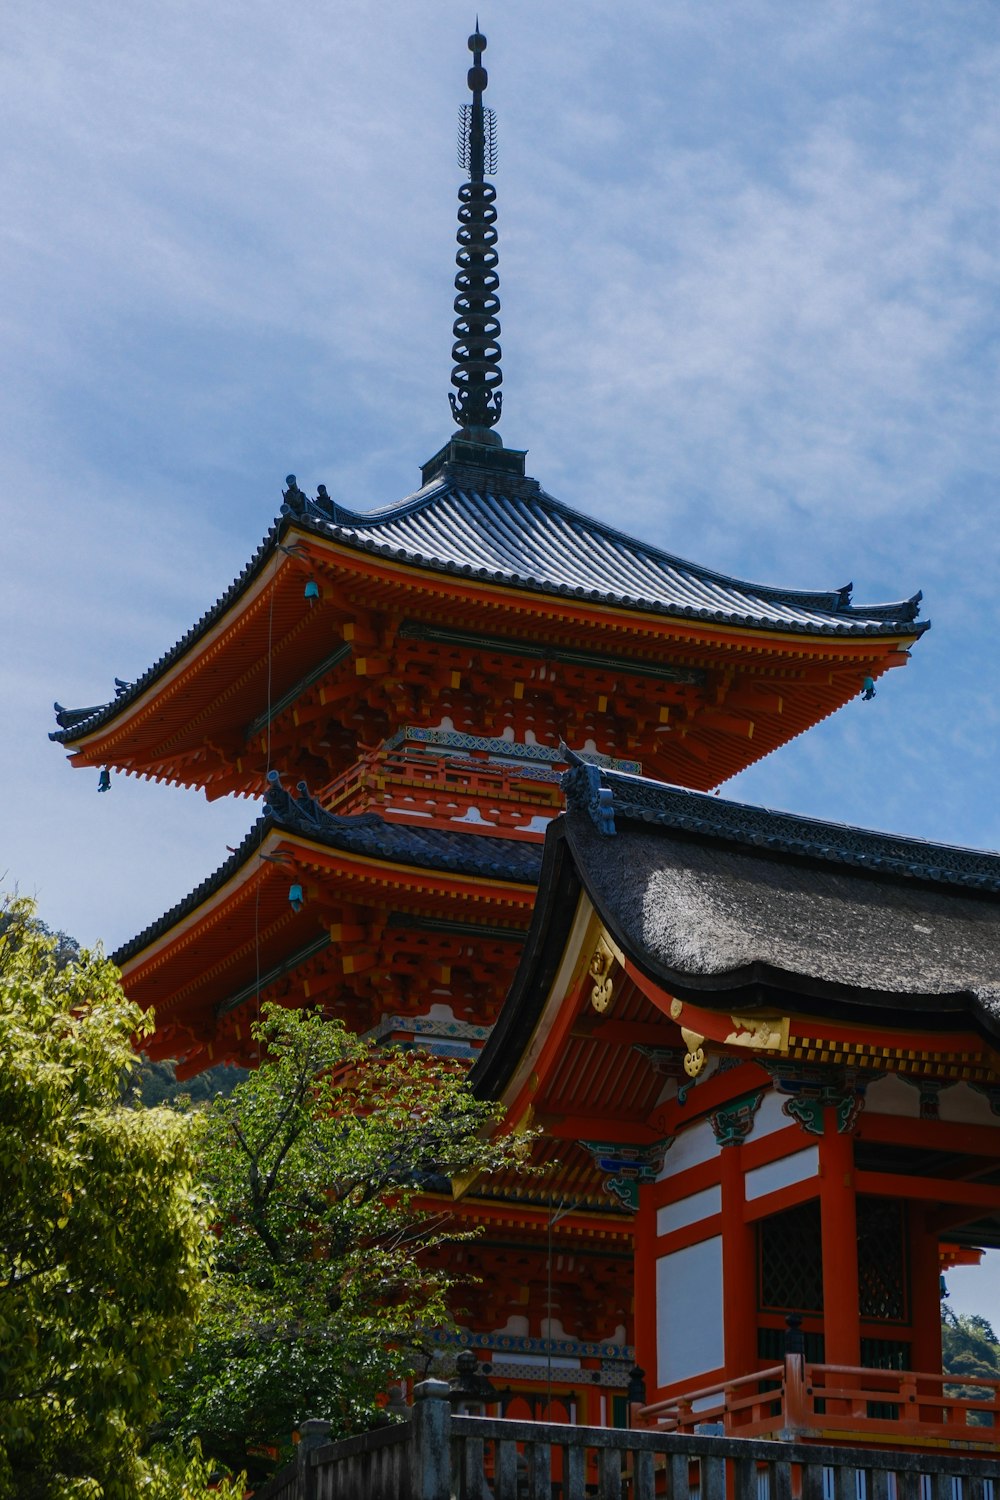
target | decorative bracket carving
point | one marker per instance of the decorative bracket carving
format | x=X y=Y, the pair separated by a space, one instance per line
x=694 y=1058
x=732 y=1123
x=756 y=1033
x=812 y=1090
x=760 y=1033
x=628 y=1167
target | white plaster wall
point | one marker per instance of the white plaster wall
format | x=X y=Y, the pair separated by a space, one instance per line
x=689 y=1311
x=892 y=1096
x=689 y=1210
x=516 y=1325
x=690 y=1149
x=770 y=1117
x=963 y=1106
x=558 y=1361
x=782 y=1173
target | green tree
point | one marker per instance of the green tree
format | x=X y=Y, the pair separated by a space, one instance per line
x=969 y=1345
x=329 y=1269
x=103 y=1249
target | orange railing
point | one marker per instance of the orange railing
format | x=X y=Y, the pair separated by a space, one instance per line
x=404 y=783
x=818 y=1402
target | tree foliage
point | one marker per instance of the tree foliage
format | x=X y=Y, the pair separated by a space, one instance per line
x=326 y=1280
x=103 y=1250
x=969 y=1346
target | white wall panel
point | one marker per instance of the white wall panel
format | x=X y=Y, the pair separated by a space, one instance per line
x=692 y=1147
x=689 y=1312
x=964 y=1106
x=892 y=1096
x=690 y=1210
x=782 y=1173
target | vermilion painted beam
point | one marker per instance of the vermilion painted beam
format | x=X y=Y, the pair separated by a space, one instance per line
x=931 y=1135
x=929 y=1189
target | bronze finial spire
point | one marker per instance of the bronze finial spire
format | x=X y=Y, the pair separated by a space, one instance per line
x=476 y=400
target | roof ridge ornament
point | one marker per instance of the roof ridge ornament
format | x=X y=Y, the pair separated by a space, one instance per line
x=477 y=400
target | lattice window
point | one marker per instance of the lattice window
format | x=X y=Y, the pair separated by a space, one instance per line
x=886 y=1354
x=771 y=1346
x=882 y=1281
x=790 y=1260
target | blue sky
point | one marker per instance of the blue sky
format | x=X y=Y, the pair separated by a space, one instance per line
x=750 y=255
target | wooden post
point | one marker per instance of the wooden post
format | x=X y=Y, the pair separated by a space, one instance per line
x=839 y=1234
x=796 y=1412
x=925 y=1293
x=431 y=1475
x=739 y=1276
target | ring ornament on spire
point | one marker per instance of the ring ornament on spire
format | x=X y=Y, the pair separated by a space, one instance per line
x=476 y=401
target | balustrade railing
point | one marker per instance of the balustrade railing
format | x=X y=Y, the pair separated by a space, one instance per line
x=400 y=782
x=816 y=1401
x=441 y=1455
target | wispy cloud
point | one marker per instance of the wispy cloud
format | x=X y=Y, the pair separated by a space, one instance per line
x=749 y=268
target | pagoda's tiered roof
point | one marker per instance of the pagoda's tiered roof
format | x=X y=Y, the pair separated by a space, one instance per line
x=512 y=532
x=365 y=834
x=314 y=907
x=503 y=529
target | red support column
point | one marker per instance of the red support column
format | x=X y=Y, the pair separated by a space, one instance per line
x=739 y=1271
x=925 y=1292
x=839 y=1234
x=645 y=1313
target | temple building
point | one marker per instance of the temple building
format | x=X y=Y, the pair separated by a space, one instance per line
x=778 y=1039
x=751 y=1042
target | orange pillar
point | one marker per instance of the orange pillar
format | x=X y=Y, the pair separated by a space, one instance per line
x=925 y=1293
x=839 y=1232
x=739 y=1271
x=645 y=1313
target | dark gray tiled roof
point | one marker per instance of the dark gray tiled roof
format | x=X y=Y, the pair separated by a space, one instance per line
x=506 y=529
x=368 y=835
x=515 y=533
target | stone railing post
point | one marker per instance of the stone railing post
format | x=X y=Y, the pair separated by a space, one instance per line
x=313 y=1434
x=431 y=1441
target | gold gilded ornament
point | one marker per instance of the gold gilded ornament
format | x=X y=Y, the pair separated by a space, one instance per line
x=600 y=966
x=694 y=1059
x=761 y=1033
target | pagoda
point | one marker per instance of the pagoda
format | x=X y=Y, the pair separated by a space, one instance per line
x=400 y=684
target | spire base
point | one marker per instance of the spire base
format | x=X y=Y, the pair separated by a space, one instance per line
x=479 y=448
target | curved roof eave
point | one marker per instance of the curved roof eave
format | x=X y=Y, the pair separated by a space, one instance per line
x=530 y=527
x=366 y=835
x=576 y=863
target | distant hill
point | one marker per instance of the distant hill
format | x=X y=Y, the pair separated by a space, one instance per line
x=158 y=1083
